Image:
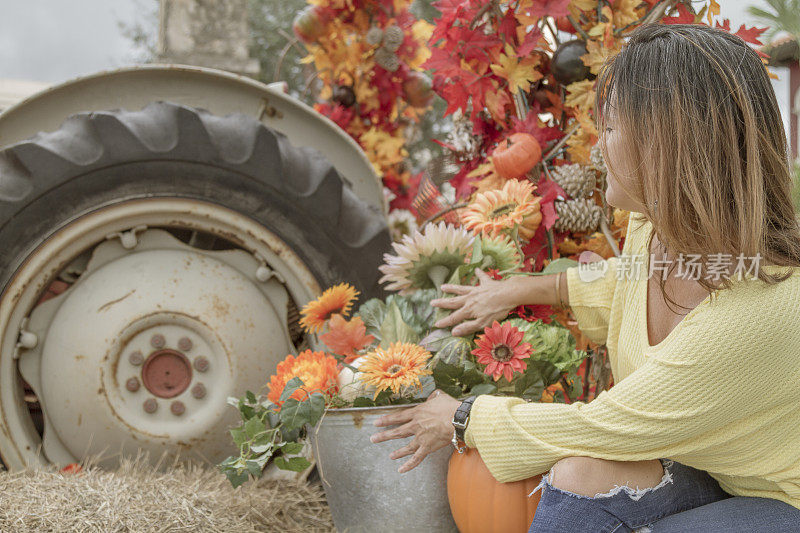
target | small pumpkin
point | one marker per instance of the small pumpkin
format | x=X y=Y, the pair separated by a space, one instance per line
x=516 y=155
x=481 y=504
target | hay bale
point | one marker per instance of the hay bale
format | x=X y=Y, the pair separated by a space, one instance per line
x=139 y=497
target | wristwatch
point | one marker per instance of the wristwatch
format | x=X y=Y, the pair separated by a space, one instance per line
x=460 y=422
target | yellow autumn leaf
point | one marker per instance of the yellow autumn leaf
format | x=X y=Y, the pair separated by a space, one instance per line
x=580 y=94
x=600 y=28
x=713 y=9
x=597 y=54
x=585 y=5
x=519 y=74
x=625 y=12
x=421 y=30
x=579 y=147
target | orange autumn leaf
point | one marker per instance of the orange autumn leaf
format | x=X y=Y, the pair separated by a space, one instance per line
x=625 y=12
x=597 y=54
x=496 y=103
x=345 y=337
x=580 y=94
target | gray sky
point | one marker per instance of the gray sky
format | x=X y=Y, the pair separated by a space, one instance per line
x=54 y=40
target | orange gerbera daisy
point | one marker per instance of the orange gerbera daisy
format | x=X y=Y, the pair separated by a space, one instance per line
x=345 y=337
x=318 y=370
x=501 y=349
x=499 y=210
x=335 y=300
x=397 y=368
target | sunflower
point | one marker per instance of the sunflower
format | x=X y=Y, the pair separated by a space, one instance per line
x=345 y=337
x=501 y=349
x=318 y=371
x=425 y=260
x=398 y=367
x=500 y=210
x=335 y=300
x=501 y=250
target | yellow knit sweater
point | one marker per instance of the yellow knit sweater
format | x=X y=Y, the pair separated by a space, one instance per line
x=720 y=393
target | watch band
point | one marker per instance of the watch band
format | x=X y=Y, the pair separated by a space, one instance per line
x=461 y=417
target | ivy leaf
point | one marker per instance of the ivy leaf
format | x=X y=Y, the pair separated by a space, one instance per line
x=295 y=414
x=295 y=464
x=372 y=312
x=236 y=477
x=483 y=388
x=239 y=436
x=363 y=401
x=291 y=386
x=291 y=448
x=253 y=427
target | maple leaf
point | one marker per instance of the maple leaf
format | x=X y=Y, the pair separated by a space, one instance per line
x=625 y=12
x=580 y=94
x=684 y=16
x=585 y=5
x=496 y=102
x=344 y=337
x=750 y=35
x=530 y=42
x=518 y=74
x=597 y=54
x=713 y=9
x=549 y=8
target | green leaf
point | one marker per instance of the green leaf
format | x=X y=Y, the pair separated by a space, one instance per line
x=236 y=477
x=254 y=468
x=559 y=265
x=251 y=398
x=245 y=410
x=372 y=313
x=477 y=252
x=295 y=464
x=239 y=436
x=394 y=328
x=291 y=448
x=483 y=388
x=363 y=401
x=295 y=414
x=253 y=427
x=260 y=448
x=291 y=386
x=454 y=351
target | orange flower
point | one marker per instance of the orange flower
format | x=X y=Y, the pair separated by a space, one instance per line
x=497 y=211
x=318 y=370
x=336 y=299
x=397 y=368
x=345 y=337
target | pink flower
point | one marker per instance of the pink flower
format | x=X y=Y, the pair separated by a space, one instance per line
x=501 y=349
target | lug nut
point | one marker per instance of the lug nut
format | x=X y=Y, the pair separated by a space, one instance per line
x=185 y=344
x=201 y=364
x=150 y=405
x=199 y=391
x=158 y=341
x=132 y=384
x=177 y=408
x=136 y=358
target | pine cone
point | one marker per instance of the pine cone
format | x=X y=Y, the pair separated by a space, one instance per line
x=393 y=37
x=374 y=36
x=387 y=59
x=462 y=138
x=577 y=216
x=596 y=159
x=577 y=180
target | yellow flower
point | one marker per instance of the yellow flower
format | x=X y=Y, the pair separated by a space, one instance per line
x=498 y=211
x=335 y=300
x=397 y=368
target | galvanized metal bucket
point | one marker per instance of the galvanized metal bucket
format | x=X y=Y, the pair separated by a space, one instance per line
x=364 y=490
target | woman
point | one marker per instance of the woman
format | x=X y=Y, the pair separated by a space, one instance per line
x=701 y=431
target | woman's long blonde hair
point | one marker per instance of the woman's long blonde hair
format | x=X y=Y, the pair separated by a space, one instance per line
x=699 y=119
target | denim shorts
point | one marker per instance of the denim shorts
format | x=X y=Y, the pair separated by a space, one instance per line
x=686 y=500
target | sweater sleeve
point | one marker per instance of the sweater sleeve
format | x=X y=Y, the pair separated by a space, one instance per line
x=590 y=301
x=690 y=398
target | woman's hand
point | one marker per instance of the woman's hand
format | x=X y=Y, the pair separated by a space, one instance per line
x=484 y=303
x=429 y=422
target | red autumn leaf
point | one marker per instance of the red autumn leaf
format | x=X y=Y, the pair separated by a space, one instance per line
x=72 y=468
x=750 y=35
x=550 y=8
x=684 y=16
x=345 y=337
x=726 y=25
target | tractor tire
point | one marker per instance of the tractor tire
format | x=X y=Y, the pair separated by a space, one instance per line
x=171 y=150
x=165 y=151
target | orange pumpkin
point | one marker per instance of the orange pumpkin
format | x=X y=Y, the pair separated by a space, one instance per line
x=516 y=155
x=480 y=504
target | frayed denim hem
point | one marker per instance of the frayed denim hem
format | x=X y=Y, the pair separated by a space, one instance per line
x=635 y=494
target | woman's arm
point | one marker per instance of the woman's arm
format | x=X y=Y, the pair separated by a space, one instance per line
x=701 y=399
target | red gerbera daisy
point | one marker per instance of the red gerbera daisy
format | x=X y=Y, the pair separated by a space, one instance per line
x=501 y=349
